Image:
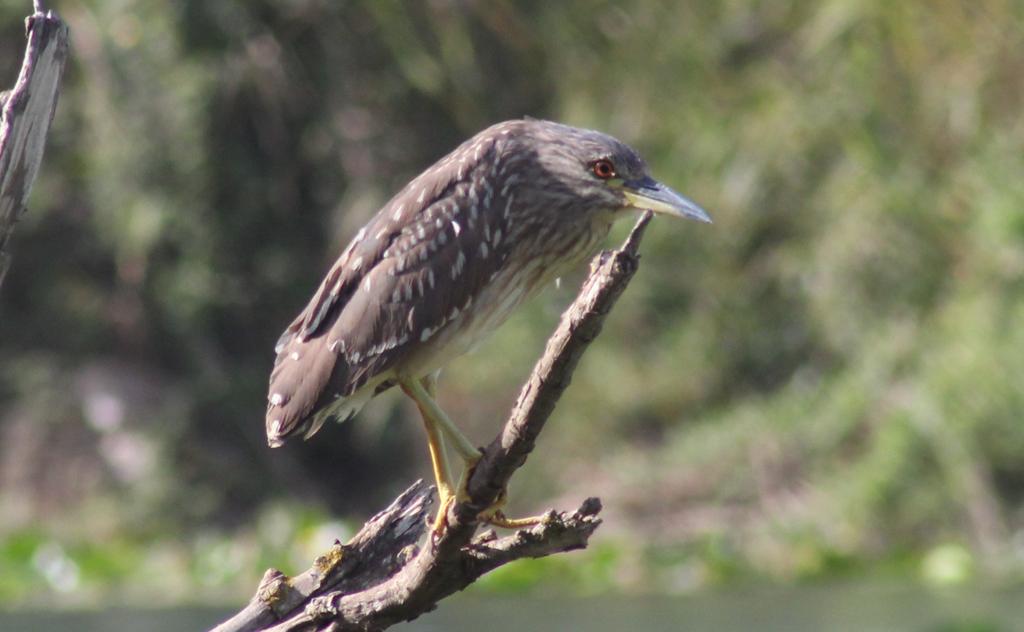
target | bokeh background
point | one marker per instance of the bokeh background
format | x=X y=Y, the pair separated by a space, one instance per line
x=826 y=383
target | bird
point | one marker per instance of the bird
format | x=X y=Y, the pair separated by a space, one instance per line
x=443 y=264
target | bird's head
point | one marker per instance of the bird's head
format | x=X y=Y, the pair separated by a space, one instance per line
x=598 y=172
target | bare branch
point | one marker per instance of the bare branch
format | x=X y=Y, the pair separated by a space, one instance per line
x=395 y=529
x=382 y=578
x=25 y=115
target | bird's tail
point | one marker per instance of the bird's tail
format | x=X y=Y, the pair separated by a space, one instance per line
x=298 y=390
x=345 y=409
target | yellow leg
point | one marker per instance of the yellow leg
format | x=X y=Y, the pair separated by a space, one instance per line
x=415 y=389
x=439 y=461
x=435 y=420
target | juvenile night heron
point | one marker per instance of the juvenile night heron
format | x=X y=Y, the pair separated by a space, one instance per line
x=444 y=263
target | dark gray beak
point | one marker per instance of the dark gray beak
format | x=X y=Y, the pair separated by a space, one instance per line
x=649 y=194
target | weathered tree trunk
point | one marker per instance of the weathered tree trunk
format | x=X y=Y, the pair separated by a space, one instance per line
x=393 y=570
x=25 y=115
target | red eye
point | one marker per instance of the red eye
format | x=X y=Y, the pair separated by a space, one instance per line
x=603 y=168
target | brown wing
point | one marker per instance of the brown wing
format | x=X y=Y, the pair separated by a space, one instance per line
x=408 y=273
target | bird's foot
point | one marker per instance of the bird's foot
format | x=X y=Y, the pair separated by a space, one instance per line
x=497 y=518
x=441 y=519
x=494 y=515
x=445 y=499
x=447 y=496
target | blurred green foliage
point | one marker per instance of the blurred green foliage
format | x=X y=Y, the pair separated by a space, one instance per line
x=826 y=381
